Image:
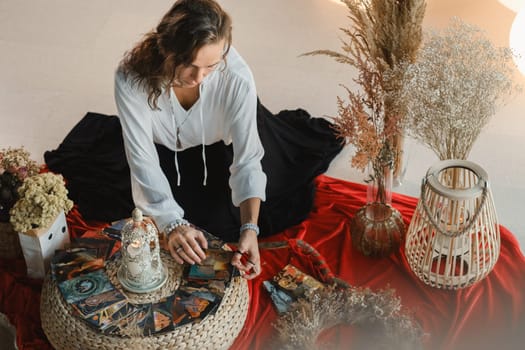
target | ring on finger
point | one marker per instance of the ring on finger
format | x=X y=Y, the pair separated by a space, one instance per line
x=178 y=249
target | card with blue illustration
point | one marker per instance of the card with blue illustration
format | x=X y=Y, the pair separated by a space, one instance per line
x=290 y=284
x=84 y=286
x=216 y=266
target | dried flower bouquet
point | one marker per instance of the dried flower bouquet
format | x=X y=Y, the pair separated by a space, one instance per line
x=385 y=34
x=380 y=313
x=42 y=198
x=15 y=166
x=453 y=88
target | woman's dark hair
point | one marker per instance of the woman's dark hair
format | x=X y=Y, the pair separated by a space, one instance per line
x=188 y=26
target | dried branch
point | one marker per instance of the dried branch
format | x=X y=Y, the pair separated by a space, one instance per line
x=385 y=33
x=380 y=314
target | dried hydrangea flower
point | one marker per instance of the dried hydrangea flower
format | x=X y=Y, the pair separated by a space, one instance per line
x=42 y=198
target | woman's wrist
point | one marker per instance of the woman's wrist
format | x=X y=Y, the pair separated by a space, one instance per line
x=170 y=228
x=249 y=227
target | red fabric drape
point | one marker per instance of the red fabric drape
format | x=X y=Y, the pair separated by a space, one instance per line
x=491 y=313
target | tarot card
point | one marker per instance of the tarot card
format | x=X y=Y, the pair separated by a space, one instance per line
x=136 y=319
x=115 y=228
x=188 y=307
x=214 y=242
x=74 y=255
x=280 y=299
x=84 y=286
x=215 y=287
x=105 y=317
x=162 y=315
x=289 y=285
x=104 y=246
x=119 y=224
x=216 y=266
x=130 y=320
x=204 y=294
x=295 y=282
x=159 y=318
x=70 y=263
x=89 y=306
x=102 y=235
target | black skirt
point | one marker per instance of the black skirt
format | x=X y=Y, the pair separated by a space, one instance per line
x=297 y=149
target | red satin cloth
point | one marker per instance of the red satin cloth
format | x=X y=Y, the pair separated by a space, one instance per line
x=489 y=314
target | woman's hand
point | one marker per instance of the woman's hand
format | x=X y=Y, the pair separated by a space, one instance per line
x=247 y=258
x=187 y=244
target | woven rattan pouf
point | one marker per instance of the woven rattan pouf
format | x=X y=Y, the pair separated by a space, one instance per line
x=65 y=330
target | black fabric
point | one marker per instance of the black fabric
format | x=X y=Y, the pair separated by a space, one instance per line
x=209 y=207
x=91 y=158
x=297 y=149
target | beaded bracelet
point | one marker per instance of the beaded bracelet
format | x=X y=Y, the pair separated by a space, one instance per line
x=249 y=226
x=173 y=225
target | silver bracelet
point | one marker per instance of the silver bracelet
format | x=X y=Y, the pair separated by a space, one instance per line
x=173 y=225
x=249 y=226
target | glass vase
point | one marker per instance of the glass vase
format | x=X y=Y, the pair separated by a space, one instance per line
x=404 y=152
x=377 y=228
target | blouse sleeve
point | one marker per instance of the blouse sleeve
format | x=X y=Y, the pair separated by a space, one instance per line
x=150 y=187
x=247 y=179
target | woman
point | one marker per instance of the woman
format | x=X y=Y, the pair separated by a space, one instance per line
x=201 y=149
x=182 y=86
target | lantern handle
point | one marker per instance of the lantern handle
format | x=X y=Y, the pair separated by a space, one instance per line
x=467 y=227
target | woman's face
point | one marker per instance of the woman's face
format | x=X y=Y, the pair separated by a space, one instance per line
x=207 y=59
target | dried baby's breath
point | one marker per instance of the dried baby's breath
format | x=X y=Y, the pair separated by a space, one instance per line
x=454 y=87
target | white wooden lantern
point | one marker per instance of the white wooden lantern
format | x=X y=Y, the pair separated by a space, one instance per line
x=141 y=269
x=453 y=240
x=39 y=245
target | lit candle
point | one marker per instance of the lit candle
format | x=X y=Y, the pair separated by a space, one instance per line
x=134 y=268
x=134 y=251
x=134 y=248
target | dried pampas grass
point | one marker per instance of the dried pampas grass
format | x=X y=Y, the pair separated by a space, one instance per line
x=378 y=313
x=384 y=35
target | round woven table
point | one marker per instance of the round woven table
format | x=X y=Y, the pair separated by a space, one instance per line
x=65 y=330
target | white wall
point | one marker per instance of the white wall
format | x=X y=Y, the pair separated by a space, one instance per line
x=58 y=56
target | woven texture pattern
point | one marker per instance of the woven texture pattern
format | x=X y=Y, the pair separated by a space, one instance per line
x=65 y=330
x=453 y=240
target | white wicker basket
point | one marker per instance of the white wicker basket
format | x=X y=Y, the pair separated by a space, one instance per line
x=453 y=240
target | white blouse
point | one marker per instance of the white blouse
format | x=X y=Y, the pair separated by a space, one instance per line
x=226 y=110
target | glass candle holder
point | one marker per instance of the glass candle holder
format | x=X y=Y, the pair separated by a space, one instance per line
x=141 y=269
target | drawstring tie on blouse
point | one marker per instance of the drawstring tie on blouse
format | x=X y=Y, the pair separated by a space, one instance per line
x=203 y=140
